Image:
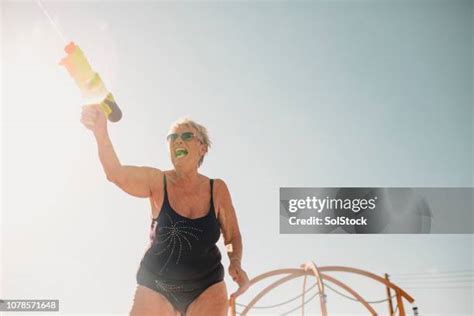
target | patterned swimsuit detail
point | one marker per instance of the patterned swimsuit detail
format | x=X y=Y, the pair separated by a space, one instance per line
x=182 y=259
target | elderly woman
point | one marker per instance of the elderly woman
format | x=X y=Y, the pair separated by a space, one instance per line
x=181 y=271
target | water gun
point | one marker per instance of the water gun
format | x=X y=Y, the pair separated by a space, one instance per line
x=89 y=82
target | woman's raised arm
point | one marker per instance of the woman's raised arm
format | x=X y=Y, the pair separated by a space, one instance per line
x=134 y=180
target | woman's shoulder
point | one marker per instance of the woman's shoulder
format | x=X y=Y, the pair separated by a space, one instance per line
x=217 y=181
x=220 y=188
x=157 y=177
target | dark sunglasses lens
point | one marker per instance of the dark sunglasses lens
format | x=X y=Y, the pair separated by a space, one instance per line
x=171 y=137
x=187 y=136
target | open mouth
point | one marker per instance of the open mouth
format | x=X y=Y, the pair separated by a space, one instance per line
x=180 y=152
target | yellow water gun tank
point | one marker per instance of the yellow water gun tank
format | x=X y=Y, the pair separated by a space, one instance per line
x=89 y=82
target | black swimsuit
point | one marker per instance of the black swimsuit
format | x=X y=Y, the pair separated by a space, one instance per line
x=182 y=259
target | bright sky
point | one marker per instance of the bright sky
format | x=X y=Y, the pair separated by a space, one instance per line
x=316 y=94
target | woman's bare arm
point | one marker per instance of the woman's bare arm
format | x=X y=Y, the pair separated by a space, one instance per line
x=232 y=238
x=228 y=222
x=134 y=180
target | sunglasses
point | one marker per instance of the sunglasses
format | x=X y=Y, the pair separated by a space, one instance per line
x=186 y=136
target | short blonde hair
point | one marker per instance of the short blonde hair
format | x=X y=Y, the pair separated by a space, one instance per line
x=202 y=133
